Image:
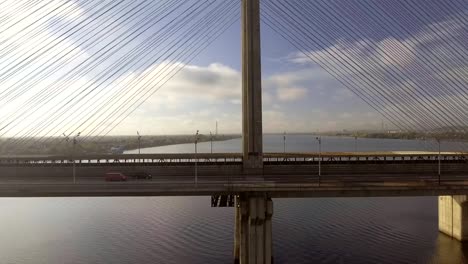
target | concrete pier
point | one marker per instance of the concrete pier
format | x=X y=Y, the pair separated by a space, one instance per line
x=453 y=216
x=253 y=230
x=251 y=86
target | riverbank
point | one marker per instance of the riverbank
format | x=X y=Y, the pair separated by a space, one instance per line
x=104 y=145
x=447 y=136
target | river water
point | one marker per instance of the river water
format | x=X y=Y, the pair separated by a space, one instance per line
x=187 y=230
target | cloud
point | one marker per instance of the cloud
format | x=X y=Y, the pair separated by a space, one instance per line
x=341 y=95
x=300 y=97
x=400 y=73
x=293 y=86
x=215 y=83
x=386 y=54
x=291 y=93
x=393 y=52
x=215 y=94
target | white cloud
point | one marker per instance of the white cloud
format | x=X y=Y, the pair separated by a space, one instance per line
x=341 y=95
x=297 y=100
x=213 y=83
x=296 y=85
x=379 y=56
x=404 y=71
x=291 y=93
x=393 y=52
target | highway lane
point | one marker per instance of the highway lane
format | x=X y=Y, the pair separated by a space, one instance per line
x=293 y=180
x=274 y=189
x=289 y=178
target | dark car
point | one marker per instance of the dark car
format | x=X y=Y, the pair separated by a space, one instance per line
x=141 y=175
x=115 y=176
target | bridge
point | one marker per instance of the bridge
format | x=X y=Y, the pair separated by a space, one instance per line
x=249 y=180
x=343 y=174
x=223 y=177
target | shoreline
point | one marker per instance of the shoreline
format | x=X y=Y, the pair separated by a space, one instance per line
x=120 y=144
x=107 y=145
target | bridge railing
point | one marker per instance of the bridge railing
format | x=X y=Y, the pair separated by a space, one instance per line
x=362 y=157
x=126 y=159
x=236 y=158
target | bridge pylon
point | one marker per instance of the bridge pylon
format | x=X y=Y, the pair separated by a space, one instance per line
x=251 y=86
x=253 y=238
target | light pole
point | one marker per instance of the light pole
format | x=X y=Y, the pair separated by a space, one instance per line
x=139 y=141
x=355 y=143
x=438 y=141
x=67 y=139
x=284 y=142
x=196 y=158
x=319 y=139
x=73 y=155
x=211 y=139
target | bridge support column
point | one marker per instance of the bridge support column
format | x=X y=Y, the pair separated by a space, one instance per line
x=453 y=216
x=253 y=231
x=251 y=86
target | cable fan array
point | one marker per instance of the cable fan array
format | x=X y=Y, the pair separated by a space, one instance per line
x=153 y=40
x=416 y=76
x=84 y=67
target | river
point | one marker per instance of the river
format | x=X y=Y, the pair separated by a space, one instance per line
x=187 y=230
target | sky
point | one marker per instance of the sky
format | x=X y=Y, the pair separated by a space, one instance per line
x=298 y=94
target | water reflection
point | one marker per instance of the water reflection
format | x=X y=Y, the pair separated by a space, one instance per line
x=449 y=251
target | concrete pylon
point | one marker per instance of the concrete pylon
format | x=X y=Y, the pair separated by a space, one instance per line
x=251 y=86
x=453 y=216
x=253 y=230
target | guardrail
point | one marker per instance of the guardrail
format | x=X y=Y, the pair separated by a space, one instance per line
x=236 y=158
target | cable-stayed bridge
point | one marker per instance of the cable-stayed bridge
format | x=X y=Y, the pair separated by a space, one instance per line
x=413 y=72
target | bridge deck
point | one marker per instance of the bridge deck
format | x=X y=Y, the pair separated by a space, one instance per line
x=275 y=190
x=283 y=175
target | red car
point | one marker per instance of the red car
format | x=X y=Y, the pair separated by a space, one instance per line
x=115 y=176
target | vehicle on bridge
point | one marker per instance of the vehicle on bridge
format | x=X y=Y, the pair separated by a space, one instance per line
x=141 y=175
x=115 y=176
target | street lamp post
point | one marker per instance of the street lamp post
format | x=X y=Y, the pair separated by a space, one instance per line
x=67 y=140
x=211 y=140
x=196 y=158
x=438 y=141
x=319 y=139
x=284 y=142
x=73 y=155
x=139 y=142
x=355 y=143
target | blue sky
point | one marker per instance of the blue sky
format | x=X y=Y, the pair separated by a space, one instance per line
x=298 y=95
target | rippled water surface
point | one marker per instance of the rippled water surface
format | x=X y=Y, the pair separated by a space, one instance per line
x=187 y=230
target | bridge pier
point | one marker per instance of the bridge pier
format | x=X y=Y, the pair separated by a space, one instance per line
x=453 y=216
x=253 y=240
